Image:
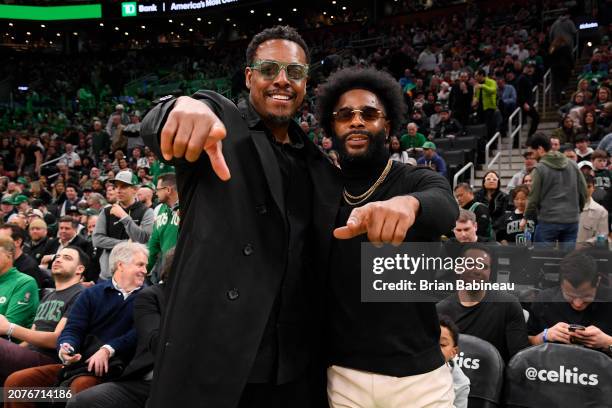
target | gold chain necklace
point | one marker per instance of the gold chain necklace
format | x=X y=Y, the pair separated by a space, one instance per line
x=356 y=200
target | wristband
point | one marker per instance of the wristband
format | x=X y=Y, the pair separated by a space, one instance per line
x=9 y=332
x=544 y=336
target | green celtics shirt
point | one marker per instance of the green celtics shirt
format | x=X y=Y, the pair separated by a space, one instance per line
x=158 y=168
x=18 y=297
x=164 y=235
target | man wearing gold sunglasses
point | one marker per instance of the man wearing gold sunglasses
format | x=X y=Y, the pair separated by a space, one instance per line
x=245 y=299
x=380 y=354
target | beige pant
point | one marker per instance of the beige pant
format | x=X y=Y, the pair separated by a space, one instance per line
x=348 y=388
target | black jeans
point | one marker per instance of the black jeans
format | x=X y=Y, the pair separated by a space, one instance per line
x=120 y=394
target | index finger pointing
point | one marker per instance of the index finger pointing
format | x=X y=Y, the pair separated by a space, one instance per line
x=355 y=225
x=214 y=149
x=167 y=137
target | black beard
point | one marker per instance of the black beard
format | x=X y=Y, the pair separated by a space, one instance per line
x=276 y=120
x=377 y=151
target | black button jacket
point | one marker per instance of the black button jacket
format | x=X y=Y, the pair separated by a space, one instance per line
x=214 y=341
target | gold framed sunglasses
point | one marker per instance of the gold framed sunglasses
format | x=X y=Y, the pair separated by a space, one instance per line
x=270 y=69
x=367 y=113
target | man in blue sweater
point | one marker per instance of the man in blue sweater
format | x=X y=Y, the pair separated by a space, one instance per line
x=432 y=159
x=100 y=326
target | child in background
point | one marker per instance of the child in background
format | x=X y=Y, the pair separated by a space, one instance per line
x=449 y=337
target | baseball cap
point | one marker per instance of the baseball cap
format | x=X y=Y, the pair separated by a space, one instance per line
x=22 y=180
x=411 y=161
x=72 y=209
x=445 y=108
x=429 y=145
x=88 y=212
x=20 y=199
x=36 y=213
x=119 y=106
x=8 y=200
x=585 y=163
x=124 y=176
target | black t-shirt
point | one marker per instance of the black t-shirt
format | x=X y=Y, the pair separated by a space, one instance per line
x=29 y=155
x=550 y=308
x=395 y=339
x=509 y=229
x=51 y=309
x=498 y=319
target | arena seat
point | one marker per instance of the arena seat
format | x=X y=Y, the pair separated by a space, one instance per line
x=480 y=131
x=558 y=375
x=455 y=159
x=468 y=144
x=484 y=366
x=443 y=144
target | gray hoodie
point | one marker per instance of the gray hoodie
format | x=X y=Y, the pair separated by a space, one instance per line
x=558 y=190
x=563 y=27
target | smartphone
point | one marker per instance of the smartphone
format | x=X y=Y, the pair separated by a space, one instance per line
x=69 y=350
x=573 y=328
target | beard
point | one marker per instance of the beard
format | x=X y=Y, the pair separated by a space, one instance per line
x=278 y=120
x=376 y=153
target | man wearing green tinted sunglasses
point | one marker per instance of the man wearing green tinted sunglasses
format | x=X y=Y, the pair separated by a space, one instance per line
x=242 y=317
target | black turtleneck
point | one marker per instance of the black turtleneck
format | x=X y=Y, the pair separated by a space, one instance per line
x=358 y=177
x=396 y=339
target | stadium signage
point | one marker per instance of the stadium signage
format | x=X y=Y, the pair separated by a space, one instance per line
x=562 y=375
x=49 y=13
x=133 y=9
x=466 y=362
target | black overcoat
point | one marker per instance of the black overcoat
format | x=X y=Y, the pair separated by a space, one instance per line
x=229 y=263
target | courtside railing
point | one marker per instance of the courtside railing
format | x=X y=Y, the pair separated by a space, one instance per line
x=497 y=158
x=514 y=131
x=470 y=167
x=546 y=91
x=50 y=162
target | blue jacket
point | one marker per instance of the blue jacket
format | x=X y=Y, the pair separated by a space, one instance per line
x=508 y=96
x=101 y=311
x=436 y=161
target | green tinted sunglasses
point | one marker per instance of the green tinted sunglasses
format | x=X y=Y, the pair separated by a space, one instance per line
x=269 y=69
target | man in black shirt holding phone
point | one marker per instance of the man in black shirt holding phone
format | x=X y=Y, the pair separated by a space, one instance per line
x=578 y=311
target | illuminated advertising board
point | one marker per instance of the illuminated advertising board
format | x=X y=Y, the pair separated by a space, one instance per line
x=49 y=13
x=152 y=8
